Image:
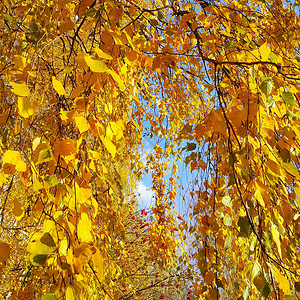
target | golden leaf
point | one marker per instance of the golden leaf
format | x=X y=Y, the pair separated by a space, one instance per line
x=69 y=293
x=276 y=237
x=117 y=78
x=20 y=62
x=25 y=108
x=102 y=54
x=4 y=251
x=95 y=65
x=57 y=85
x=20 y=89
x=283 y=282
x=18 y=210
x=111 y=148
x=82 y=124
x=65 y=147
x=13 y=162
x=66 y=26
x=98 y=264
x=265 y=51
x=84 y=228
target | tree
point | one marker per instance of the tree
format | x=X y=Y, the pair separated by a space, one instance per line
x=216 y=83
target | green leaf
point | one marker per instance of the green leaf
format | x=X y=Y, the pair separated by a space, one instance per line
x=266 y=86
x=268 y=240
x=9 y=17
x=230 y=45
x=190 y=146
x=231 y=180
x=39 y=259
x=285 y=155
x=228 y=242
x=259 y=281
x=290 y=297
x=292 y=115
x=51 y=180
x=90 y=13
x=49 y=297
x=44 y=156
x=253 y=72
x=273 y=57
x=227 y=220
x=270 y=102
x=297 y=286
x=226 y=200
x=47 y=240
x=288 y=98
x=266 y=290
x=244 y=227
x=65 y=266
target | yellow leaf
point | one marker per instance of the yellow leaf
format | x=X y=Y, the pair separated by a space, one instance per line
x=63 y=247
x=25 y=108
x=69 y=293
x=32 y=73
x=13 y=162
x=117 y=78
x=20 y=62
x=264 y=50
x=98 y=264
x=111 y=148
x=110 y=130
x=2 y=179
x=108 y=108
x=283 y=282
x=258 y=196
x=20 y=89
x=40 y=246
x=95 y=65
x=82 y=124
x=276 y=237
x=95 y=155
x=252 y=270
x=84 y=229
x=102 y=54
x=83 y=194
x=57 y=85
x=21 y=166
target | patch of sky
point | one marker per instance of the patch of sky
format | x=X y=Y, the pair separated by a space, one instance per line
x=188 y=178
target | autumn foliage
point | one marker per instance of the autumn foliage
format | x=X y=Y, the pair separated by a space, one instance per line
x=214 y=84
